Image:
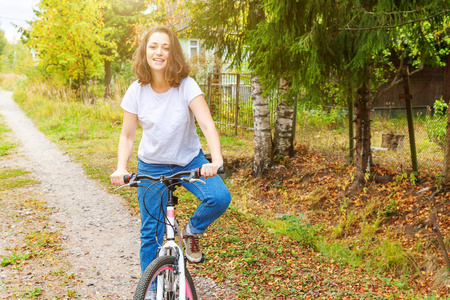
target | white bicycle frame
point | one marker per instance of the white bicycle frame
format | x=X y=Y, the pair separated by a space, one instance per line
x=168 y=247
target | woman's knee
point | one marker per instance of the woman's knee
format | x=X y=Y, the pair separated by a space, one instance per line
x=222 y=200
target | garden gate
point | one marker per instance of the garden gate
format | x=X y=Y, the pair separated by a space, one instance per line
x=229 y=99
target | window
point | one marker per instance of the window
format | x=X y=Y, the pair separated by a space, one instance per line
x=194 y=48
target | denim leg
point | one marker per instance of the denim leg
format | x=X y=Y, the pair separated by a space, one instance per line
x=214 y=196
x=149 y=205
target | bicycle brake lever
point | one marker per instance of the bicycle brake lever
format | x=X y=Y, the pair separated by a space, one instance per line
x=195 y=180
x=122 y=186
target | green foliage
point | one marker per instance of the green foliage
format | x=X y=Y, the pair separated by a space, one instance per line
x=121 y=18
x=323 y=117
x=436 y=125
x=225 y=26
x=16 y=58
x=32 y=293
x=14 y=258
x=69 y=38
x=3 y=42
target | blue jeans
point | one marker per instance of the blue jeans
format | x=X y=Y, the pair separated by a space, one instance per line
x=214 y=196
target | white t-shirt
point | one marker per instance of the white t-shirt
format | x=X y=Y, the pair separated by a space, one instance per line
x=169 y=131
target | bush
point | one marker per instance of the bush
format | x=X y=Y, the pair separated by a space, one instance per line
x=325 y=118
x=436 y=124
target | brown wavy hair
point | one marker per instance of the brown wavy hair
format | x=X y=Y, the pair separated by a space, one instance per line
x=177 y=67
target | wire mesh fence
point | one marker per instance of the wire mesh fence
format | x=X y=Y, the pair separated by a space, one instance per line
x=229 y=99
x=390 y=139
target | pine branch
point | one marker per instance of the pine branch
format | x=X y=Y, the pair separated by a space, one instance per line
x=394 y=12
x=397 y=25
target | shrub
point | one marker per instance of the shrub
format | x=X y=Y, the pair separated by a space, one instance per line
x=436 y=123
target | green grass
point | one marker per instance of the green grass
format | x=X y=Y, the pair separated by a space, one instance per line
x=14 y=178
x=14 y=258
x=6 y=145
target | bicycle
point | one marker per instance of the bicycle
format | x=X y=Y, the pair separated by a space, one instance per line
x=167 y=275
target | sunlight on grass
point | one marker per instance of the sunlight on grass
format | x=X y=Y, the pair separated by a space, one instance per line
x=6 y=145
x=14 y=178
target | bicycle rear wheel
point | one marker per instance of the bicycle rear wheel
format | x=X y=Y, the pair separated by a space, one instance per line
x=162 y=268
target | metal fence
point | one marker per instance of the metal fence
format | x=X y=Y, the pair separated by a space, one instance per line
x=229 y=99
x=389 y=138
x=230 y=102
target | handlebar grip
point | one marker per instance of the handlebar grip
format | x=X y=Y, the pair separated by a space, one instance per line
x=221 y=170
x=126 y=178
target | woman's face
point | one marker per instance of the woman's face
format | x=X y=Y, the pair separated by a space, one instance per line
x=158 y=47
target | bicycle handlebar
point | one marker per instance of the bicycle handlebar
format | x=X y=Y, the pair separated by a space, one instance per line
x=193 y=175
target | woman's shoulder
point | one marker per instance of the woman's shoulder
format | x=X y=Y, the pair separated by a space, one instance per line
x=187 y=81
x=137 y=86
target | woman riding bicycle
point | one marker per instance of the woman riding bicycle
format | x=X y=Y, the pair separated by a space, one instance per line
x=166 y=101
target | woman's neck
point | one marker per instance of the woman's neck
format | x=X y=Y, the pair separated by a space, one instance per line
x=159 y=83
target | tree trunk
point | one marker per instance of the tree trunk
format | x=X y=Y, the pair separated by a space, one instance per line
x=351 y=132
x=283 y=139
x=107 y=80
x=262 y=160
x=363 y=157
x=446 y=179
x=409 y=115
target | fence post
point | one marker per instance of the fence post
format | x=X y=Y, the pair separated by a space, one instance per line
x=407 y=97
x=209 y=90
x=238 y=79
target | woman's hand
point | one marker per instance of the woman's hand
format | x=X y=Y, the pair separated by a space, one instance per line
x=210 y=170
x=117 y=177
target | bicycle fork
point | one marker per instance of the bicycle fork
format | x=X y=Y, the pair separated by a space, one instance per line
x=169 y=247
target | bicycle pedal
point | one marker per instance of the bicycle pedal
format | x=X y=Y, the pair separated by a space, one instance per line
x=202 y=260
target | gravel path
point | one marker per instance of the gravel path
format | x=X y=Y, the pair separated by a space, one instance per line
x=100 y=236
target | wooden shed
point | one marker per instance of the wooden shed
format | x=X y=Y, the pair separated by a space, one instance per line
x=427 y=86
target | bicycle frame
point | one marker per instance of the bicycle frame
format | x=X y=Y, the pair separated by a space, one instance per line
x=170 y=247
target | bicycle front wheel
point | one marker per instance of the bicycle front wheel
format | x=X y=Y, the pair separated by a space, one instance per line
x=162 y=270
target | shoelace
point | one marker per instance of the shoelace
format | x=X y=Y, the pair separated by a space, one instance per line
x=194 y=245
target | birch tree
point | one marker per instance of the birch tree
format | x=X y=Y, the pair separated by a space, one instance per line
x=226 y=26
x=283 y=135
x=262 y=160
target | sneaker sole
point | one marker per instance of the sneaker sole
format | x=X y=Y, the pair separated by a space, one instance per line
x=197 y=260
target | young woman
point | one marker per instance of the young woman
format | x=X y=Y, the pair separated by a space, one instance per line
x=165 y=101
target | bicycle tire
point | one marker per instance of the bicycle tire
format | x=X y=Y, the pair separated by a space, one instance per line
x=164 y=266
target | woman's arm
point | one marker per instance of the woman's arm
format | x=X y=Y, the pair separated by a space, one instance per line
x=125 y=148
x=204 y=119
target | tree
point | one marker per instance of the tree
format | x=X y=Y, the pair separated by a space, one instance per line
x=3 y=42
x=446 y=179
x=120 y=18
x=283 y=135
x=317 y=41
x=226 y=27
x=69 y=37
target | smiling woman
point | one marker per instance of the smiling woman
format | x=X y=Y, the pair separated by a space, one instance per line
x=158 y=53
x=165 y=39
x=166 y=101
